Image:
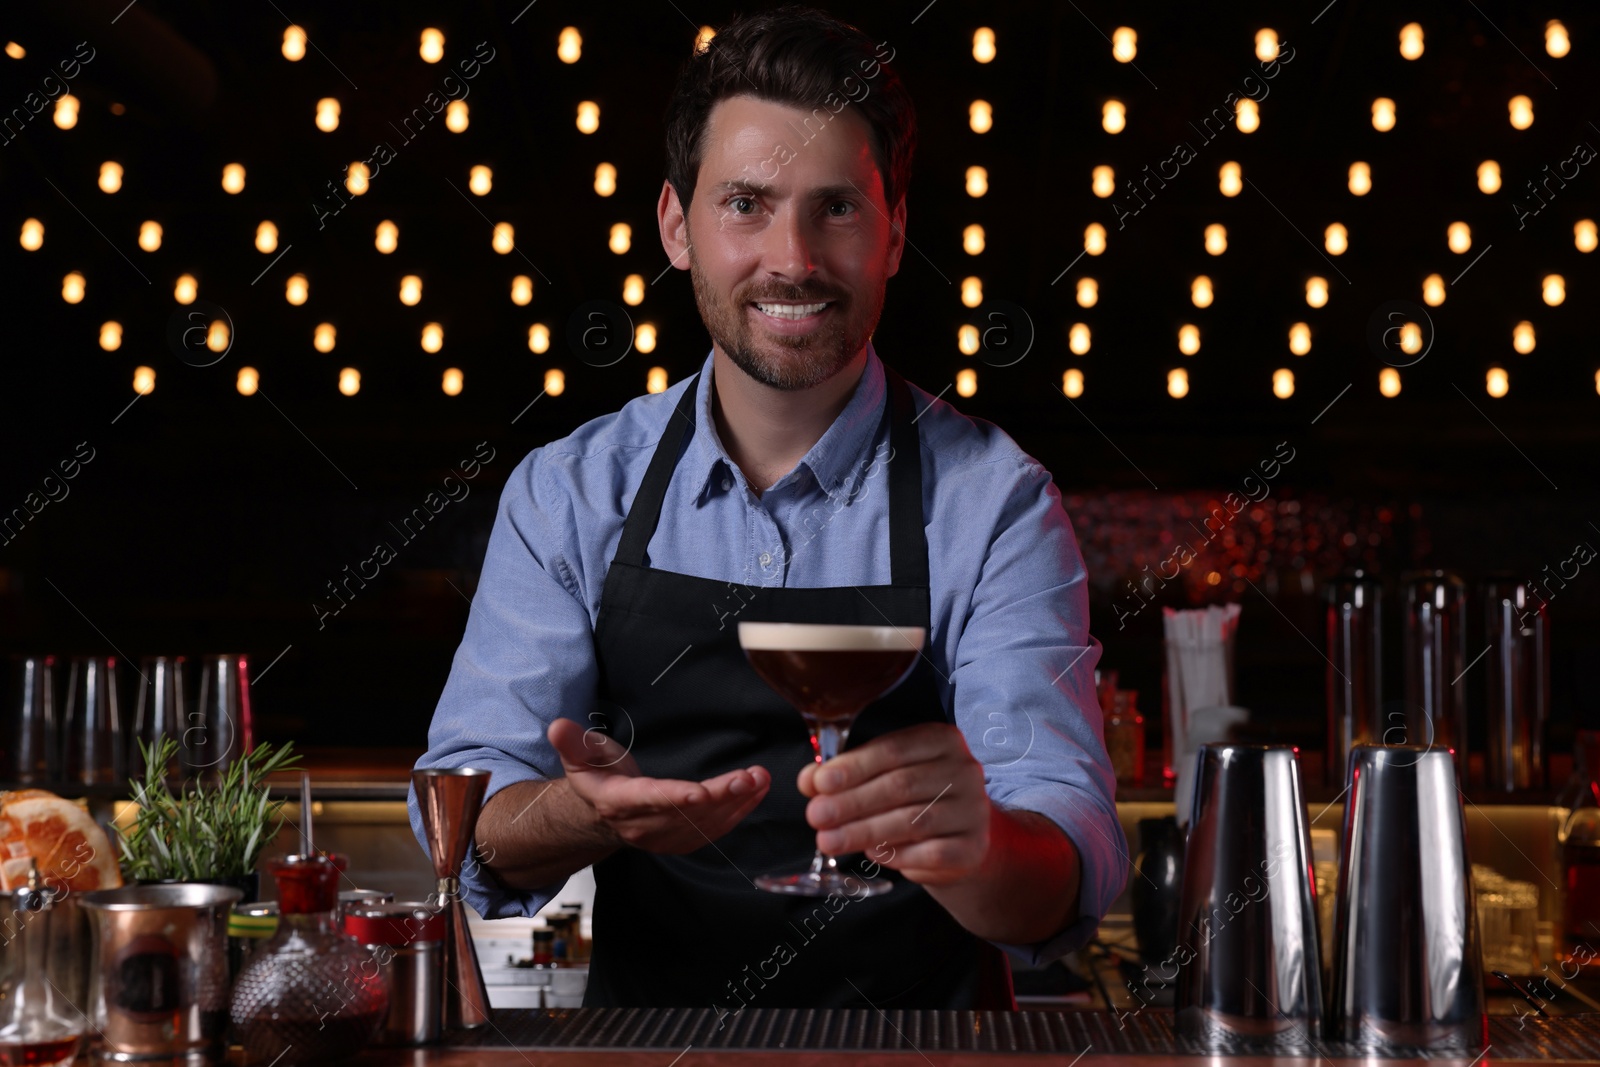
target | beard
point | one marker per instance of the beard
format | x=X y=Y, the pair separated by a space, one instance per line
x=786 y=362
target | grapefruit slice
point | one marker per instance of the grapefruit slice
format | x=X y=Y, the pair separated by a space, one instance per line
x=72 y=851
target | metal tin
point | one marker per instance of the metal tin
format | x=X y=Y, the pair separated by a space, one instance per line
x=405 y=940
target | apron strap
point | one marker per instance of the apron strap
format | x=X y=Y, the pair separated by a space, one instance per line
x=645 y=513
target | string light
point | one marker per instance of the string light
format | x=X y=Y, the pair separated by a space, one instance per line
x=1188 y=339
x=144 y=380
x=1094 y=239
x=65 y=115
x=538 y=338
x=1522 y=337
x=110 y=177
x=327 y=114
x=32 y=236
x=555 y=383
x=1583 y=235
x=349 y=381
x=15 y=50
x=1433 y=290
x=296 y=289
x=1266 y=45
x=1124 y=44
x=621 y=238
x=72 y=287
x=431 y=48
x=247 y=381
x=186 y=289
x=588 y=116
x=388 y=237
x=1078 y=339
x=644 y=338
x=1230 y=179
x=410 y=290
x=1316 y=291
x=456 y=117
x=1389 y=382
x=1555 y=289
x=1410 y=338
x=1459 y=237
x=1411 y=40
x=294 y=44
x=1300 y=338
x=977 y=181
x=325 y=337
x=1216 y=238
x=218 y=336
x=1113 y=116
x=521 y=290
x=432 y=337
x=480 y=180
x=1283 y=383
x=1336 y=239
x=605 y=179
x=1489 y=176
x=569 y=46
x=1555 y=39
x=702 y=40
x=1383 y=114
x=971 y=292
x=966 y=382
x=266 y=238
x=1072 y=383
x=233 y=178
x=983 y=44
x=504 y=239
x=967 y=339
x=1247 y=115
x=111 y=336
x=1360 y=179
x=980 y=116
x=1088 y=292
x=656 y=380
x=1200 y=291
x=1104 y=181
x=452 y=381
x=972 y=239
x=357 y=178
x=633 y=290
x=1177 y=383
x=1521 y=108
x=1498 y=382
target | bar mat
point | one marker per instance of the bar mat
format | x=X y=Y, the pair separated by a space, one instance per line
x=1570 y=1037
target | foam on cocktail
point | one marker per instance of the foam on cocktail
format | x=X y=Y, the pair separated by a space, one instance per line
x=827 y=637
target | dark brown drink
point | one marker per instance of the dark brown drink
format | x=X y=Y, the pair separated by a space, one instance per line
x=831 y=686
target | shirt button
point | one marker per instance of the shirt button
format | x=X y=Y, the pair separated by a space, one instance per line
x=766 y=559
x=727 y=483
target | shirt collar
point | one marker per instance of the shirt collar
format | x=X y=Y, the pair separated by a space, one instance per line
x=840 y=459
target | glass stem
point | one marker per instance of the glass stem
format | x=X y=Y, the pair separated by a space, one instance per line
x=830 y=739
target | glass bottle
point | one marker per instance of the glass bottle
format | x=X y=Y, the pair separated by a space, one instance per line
x=37 y=1026
x=311 y=994
x=1579 y=945
x=1124 y=732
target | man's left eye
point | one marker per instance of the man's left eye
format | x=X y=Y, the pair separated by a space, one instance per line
x=844 y=204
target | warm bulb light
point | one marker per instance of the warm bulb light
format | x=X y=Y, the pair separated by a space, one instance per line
x=1088 y=292
x=555 y=383
x=1300 y=338
x=1316 y=292
x=983 y=44
x=644 y=338
x=294 y=44
x=110 y=177
x=1360 y=179
x=971 y=292
x=521 y=290
x=432 y=337
x=1230 y=179
x=569 y=46
x=1522 y=337
x=633 y=290
x=32 y=236
x=357 y=178
x=72 y=287
x=977 y=181
x=247 y=381
x=1411 y=40
x=1124 y=44
x=702 y=40
x=324 y=337
x=504 y=239
x=1459 y=237
x=144 y=380
x=605 y=179
x=1188 y=339
x=456 y=117
x=1521 y=108
x=1283 y=383
x=1336 y=239
x=539 y=338
x=349 y=381
x=1383 y=114
x=327 y=114
x=1216 y=238
x=1266 y=45
x=1583 y=235
x=1247 y=115
x=1113 y=116
x=111 y=336
x=967 y=340
x=296 y=289
x=1489 y=176
x=410 y=290
x=1433 y=290
x=1078 y=338
x=480 y=180
x=1498 y=382
x=233 y=178
x=266 y=238
x=218 y=336
x=1555 y=39
x=656 y=380
x=452 y=381
x=1104 y=181
x=621 y=238
x=588 y=116
x=980 y=116
x=388 y=237
x=972 y=239
x=1072 y=383
x=966 y=382
x=1555 y=289
x=1410 y=338
x=15 y=50
x=1094 y=239
x=1178 y=383
x=431 y=48
x=186 y=289
x=1389 y=382
x=1200 y=291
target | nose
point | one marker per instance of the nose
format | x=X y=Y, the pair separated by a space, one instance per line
x=790 y=252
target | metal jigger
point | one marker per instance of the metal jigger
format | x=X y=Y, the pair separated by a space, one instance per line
x=449 y=799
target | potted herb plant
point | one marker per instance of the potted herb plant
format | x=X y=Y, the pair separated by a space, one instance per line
x=203 y=833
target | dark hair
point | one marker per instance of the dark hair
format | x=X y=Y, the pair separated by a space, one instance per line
x=800 y=57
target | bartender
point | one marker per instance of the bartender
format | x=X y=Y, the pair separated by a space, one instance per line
x=795 y=477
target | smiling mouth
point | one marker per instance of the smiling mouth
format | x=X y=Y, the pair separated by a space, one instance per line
x=789 y=311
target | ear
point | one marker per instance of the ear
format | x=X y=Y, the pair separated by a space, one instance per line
x=674 y=223
x=897 y=236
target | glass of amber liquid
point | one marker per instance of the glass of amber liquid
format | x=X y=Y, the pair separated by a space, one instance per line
x=829 y=673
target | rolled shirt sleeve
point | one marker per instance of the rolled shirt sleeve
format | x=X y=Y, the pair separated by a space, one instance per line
x=527 y=657
x=1025 y=697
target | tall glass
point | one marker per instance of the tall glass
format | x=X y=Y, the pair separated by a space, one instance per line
x=829 y=673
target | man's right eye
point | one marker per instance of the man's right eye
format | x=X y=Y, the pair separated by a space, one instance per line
x=740 y=199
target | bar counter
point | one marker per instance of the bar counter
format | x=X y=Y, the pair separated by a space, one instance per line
x=800 y=1038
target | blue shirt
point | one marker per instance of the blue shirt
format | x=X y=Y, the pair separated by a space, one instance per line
x=1009 y=640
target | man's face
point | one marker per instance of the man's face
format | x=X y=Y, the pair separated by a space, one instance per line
x=779 y=222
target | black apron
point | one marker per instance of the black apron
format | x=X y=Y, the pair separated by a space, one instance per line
x=692 y=930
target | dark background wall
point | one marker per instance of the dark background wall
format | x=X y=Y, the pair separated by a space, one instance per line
x=212 y=521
